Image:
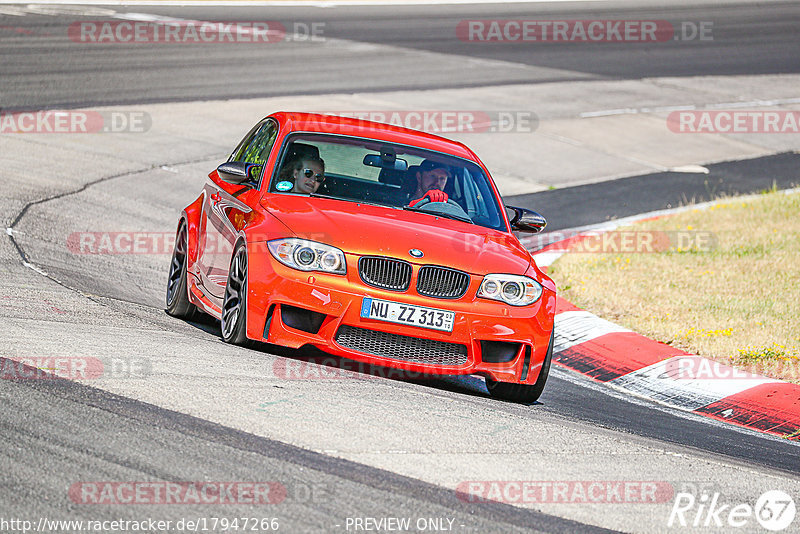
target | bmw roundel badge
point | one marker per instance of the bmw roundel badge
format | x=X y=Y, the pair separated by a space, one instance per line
x=415 y=252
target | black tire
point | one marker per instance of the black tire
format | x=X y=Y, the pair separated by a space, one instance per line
x=523 y=393
x=234 y=305
x=178 y=304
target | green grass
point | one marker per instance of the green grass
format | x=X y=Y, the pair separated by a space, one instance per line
x=737 y=302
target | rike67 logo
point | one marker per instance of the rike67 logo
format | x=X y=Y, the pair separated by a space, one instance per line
x=774 y=510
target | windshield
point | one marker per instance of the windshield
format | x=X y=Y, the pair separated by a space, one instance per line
x=377 y=172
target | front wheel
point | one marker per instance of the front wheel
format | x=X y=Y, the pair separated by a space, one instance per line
x=523 y=393
x=178 y=304
x=234 y=305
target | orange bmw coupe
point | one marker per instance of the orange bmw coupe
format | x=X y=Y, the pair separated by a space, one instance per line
x=372 y=242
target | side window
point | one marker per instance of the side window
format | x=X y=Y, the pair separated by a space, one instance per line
x=242 y=146
x=257 y=151
x=256 y=148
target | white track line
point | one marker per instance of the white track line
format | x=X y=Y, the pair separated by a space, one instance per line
x=664 y=109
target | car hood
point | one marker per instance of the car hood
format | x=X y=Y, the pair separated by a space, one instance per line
x=364 y=229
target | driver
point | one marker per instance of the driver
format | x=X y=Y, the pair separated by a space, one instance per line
x=307 y=173
x=431 y=177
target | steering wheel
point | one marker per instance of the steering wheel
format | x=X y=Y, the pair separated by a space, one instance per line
x=425 y=201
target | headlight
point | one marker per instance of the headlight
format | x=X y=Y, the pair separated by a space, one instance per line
x=308 y=255
x=511 y=289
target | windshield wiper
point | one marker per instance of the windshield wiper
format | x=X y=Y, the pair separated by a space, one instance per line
x=347 y=199
x=440 y=214
x=323 y=195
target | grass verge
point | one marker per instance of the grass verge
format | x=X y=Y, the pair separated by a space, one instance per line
x=722 y=282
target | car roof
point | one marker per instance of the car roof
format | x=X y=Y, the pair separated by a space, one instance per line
x=316 y=122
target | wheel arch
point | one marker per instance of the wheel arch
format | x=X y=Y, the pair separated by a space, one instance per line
x=191 y=215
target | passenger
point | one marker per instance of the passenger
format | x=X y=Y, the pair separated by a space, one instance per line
x=307 y=173
x=431 y=179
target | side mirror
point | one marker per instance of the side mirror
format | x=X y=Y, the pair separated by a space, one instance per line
x=526 y=220
x=239 y=172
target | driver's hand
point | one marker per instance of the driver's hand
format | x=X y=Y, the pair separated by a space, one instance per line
x=434 y=195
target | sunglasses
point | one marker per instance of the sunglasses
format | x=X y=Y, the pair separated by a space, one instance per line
x=319 y=178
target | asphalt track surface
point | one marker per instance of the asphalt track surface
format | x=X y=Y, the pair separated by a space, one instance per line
x=597 y=203
x=172 y=446
x=747 y=39
x=44 y=422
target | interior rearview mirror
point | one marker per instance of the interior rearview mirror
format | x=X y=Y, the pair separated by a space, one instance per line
x=376 y=160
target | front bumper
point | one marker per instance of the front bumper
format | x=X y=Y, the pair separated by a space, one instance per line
x=276 y=291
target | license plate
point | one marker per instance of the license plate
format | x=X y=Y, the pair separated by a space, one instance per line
x=394 y=312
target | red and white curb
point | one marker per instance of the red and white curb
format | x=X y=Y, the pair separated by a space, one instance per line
x=646 y=368
x=633 y=363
